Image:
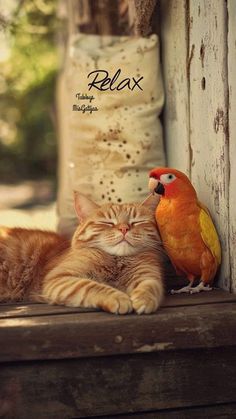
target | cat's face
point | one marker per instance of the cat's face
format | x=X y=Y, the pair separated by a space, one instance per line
x=120 y=230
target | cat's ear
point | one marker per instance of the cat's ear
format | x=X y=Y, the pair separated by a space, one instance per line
x=151 y=201
x=84 y=206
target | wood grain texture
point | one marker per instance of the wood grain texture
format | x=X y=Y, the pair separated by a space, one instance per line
x=232 y=136
x=114 y=385
x=224 y=411
x=199 y=61
x=31 y=310
x=174 y=39
x=209 y=158
x=76 y=335
x=140 y=14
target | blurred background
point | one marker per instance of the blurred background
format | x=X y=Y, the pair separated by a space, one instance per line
x=33 y=36
x=28 y=146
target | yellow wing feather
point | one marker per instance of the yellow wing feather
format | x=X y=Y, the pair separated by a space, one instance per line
x=209 y=233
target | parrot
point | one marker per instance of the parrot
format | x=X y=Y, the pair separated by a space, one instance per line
x=186 y=228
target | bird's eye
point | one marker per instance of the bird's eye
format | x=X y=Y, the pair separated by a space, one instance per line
x=167 y=178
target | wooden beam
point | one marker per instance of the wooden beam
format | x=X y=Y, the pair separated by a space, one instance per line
x=174 y=36
x=232 y=136
x=140 y=16
x=103 y=17
x=18 y=310
x=92 y=387
x=209 y=141
x=99 y=334
x=225 y=411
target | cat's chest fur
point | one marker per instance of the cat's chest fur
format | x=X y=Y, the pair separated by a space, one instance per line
x=120 y=266
x=113 y=270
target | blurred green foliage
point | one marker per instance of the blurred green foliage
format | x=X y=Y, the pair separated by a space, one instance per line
x=28 y=146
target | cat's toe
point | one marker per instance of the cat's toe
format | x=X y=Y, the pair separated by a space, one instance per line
x=143 y=305
x=125 y=305
x=118 y=303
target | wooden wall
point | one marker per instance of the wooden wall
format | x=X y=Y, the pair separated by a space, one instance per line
x=199 y=67
x=232 y=135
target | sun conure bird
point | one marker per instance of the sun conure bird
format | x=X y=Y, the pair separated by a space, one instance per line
x=187 y=231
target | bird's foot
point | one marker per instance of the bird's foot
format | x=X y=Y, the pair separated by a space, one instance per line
x=200 y=287
x=184 y=290
x=192 y=290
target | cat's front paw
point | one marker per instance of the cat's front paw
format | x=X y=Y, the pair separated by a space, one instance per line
x=118 y=303
x=144 y=304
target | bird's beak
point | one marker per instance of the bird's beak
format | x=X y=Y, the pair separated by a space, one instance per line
x=160 y=190
x=152 y=184
x=156 y=186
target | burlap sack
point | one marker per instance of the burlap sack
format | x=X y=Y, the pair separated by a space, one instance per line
x=107 y=153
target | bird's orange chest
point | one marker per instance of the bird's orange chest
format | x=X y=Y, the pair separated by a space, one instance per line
x=175 y=217
x=179 y=227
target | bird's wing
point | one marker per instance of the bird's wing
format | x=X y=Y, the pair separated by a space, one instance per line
x=209 y=233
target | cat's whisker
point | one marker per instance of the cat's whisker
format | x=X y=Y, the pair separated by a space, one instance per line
x=146 y=199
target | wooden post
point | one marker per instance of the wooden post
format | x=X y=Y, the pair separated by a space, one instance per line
x=105 y=17
x=232 y=136
x=140 y=14
x=199 y=62
x=209 y=158
x=174 y=38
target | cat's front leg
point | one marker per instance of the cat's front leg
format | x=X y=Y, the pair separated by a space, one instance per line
x=146 y=295
x=84 y=292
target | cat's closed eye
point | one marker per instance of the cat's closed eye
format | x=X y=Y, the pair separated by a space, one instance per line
x=135 y=223
x=106 y=223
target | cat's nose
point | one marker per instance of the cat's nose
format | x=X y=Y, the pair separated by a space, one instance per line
x=123 y=228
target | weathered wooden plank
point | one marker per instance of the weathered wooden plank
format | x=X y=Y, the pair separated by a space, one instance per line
x=174 y=36
x=115 y=385
x=101 y=334
x=216 y=296
x=224 y=411
x=209 y=160
x=232 y=135
x=32 y=310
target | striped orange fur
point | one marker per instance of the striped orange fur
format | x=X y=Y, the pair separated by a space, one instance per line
x=115 y=261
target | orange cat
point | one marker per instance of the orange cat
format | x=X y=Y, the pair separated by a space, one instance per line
x=114 y=261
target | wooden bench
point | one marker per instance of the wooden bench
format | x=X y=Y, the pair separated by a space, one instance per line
x=59 y=362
